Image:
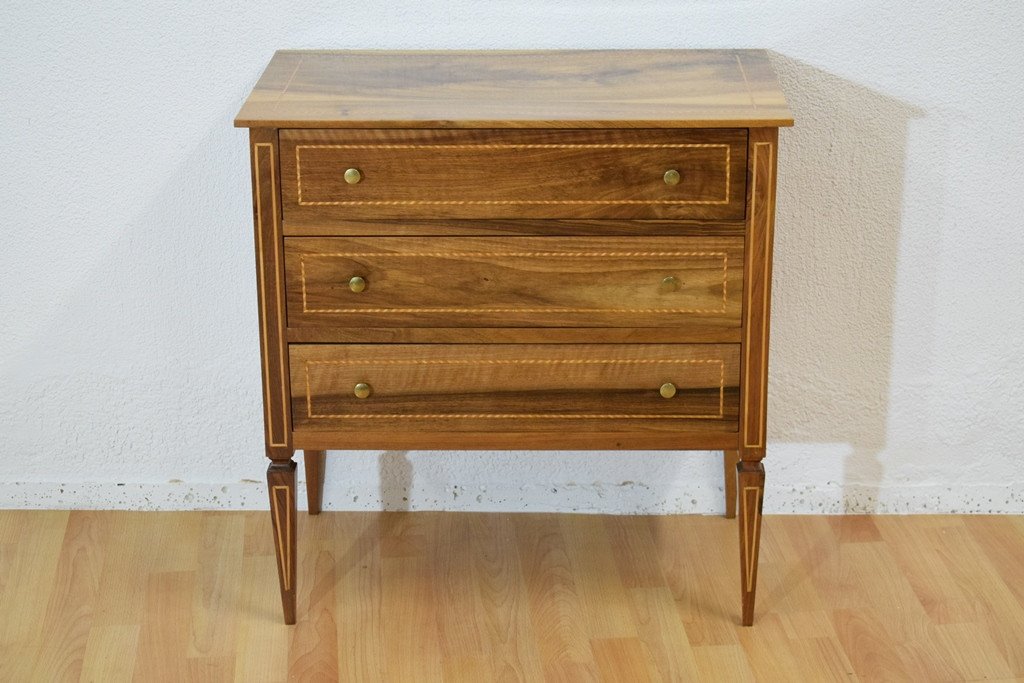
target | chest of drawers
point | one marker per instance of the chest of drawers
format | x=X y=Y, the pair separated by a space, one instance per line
x=514 y=250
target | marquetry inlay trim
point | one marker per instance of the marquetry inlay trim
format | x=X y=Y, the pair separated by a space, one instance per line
x=272 y=438
x=522 y=361
x=284 y=532
x=508 y=202
x=530 y=145
x=756 y=438
x=519 y=309
x=520 y=416
x=538 y=254
x=751 y=542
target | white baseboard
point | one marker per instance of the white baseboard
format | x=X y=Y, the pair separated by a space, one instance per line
x=628 y=497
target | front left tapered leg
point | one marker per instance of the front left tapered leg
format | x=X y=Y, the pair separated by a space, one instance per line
x=281 y=486
x=750 y=475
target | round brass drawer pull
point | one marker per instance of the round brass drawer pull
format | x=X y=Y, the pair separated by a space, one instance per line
x=357 y=284
x=670 y=283
x=668 y=390
x=362 y=390
x=672 y=177
x=353 y=176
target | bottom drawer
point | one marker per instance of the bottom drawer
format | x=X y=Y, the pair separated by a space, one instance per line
x=515 y=387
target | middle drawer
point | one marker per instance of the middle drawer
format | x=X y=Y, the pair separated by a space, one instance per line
x=514 y=282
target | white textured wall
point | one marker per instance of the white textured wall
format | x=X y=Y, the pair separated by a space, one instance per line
x=128 y=346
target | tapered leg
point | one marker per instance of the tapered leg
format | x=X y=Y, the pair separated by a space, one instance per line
x=281 y=484
x=730 y=458
x=751 y=495
x=315 y=462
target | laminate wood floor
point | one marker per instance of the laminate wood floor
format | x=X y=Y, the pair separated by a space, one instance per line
x=110 y=596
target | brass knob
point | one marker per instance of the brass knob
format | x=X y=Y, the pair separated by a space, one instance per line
x=670 y=283
x=353 y=176
x=668 y=390
x=671 y=177
x=362 y=390
x=357 y=284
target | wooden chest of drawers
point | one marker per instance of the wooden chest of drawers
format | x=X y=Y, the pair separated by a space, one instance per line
x=521 y=250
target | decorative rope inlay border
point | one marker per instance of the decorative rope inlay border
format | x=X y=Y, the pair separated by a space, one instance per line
x=510 y=202
x=525 y=361
x=525 y=254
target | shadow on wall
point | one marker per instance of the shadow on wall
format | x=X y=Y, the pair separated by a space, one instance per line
x=395 y=480
x=836 y=248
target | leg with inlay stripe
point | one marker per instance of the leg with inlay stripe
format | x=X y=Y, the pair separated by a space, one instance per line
x=750 y=475
x=281 y=486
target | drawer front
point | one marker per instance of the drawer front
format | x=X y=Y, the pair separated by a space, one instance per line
x=512 y=174
x=506 y=387
x=514 y=282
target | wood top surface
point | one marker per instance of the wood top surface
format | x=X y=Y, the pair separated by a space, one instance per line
x=517 y=89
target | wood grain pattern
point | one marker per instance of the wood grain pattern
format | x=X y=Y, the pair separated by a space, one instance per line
x=305 y=226
x=478 y=388
x=515 y=282
x=750 y=490
x=757 y=291
x=514 y=335
x=281 y=486
x=214 y=615
x=315 y=656
x=478 y=596
x=270 y=289
x=374 y=437
x=730 y=458
x=315 y=465
x=512 y=174
x=526 y=89
x=73 y=601
x=27 y=580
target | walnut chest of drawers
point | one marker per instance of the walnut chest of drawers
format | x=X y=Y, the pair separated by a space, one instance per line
x=514 y=250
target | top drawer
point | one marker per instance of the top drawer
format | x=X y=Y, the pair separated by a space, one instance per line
x=331 y=175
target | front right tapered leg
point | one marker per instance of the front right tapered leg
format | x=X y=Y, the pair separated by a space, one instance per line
x=751 y=497
x=281 y=486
